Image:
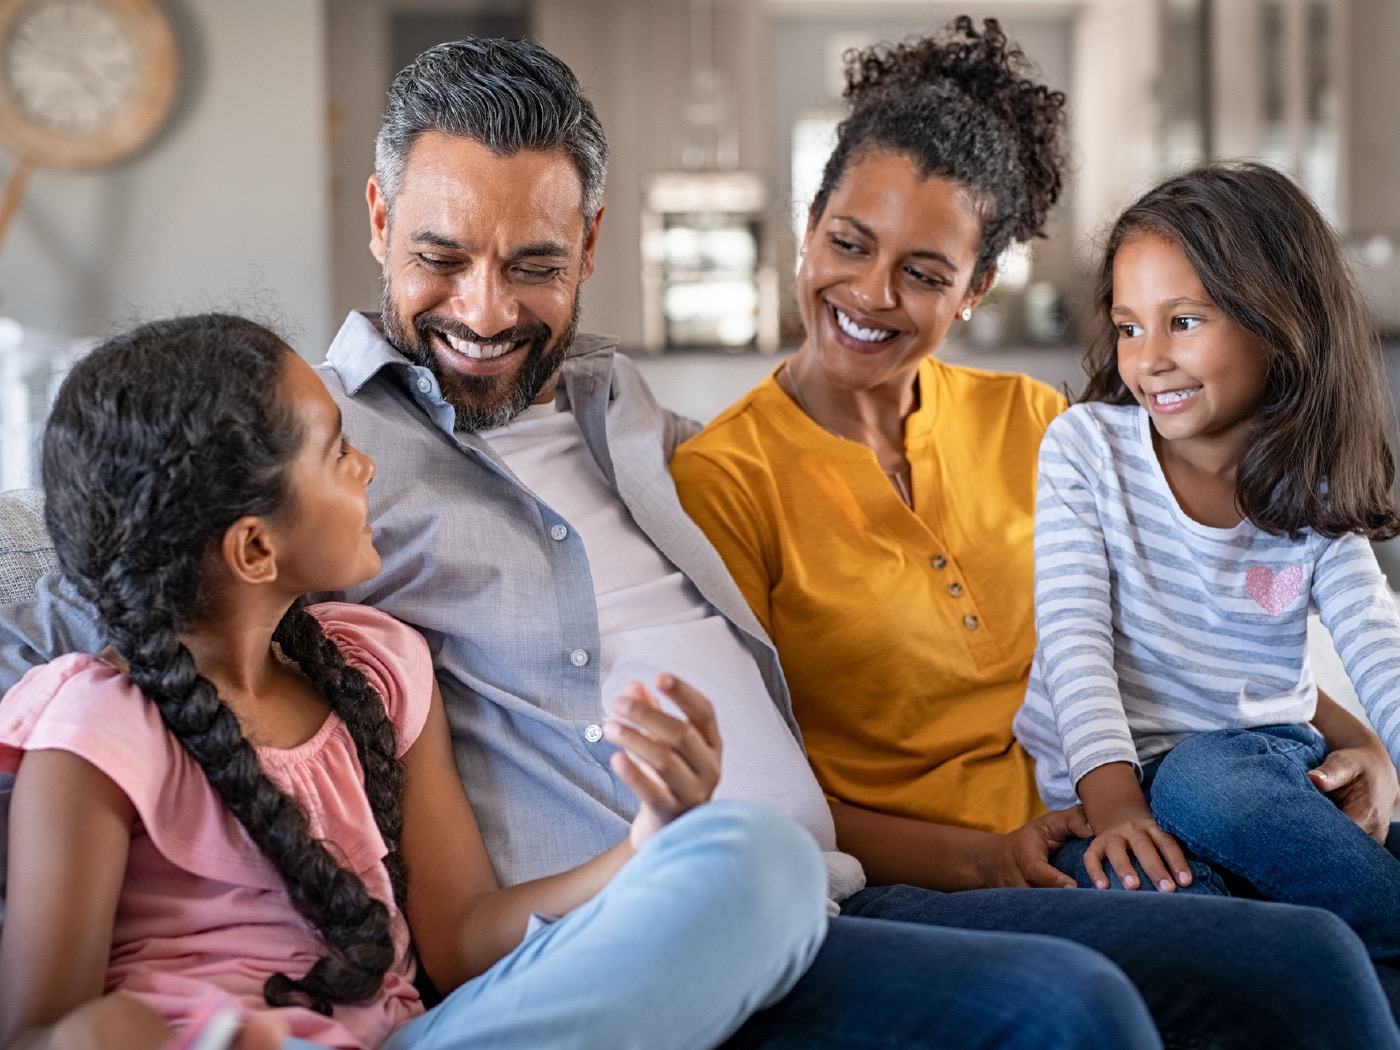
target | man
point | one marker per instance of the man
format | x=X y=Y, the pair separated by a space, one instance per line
x=529 y=528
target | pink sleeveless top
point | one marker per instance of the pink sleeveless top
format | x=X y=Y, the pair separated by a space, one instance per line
x=203 y=917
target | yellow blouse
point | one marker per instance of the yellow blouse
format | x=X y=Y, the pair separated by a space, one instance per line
x=906 y=636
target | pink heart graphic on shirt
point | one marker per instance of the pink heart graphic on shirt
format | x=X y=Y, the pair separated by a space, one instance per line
x=1274 y=591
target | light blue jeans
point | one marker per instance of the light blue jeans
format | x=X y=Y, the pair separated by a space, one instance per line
x=717 y=916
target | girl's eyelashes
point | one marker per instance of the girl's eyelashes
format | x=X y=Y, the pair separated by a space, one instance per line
x=344 y=447
x=1128 y=330
x=1184 y=323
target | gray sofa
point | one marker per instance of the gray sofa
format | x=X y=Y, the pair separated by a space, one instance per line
x=26 y=553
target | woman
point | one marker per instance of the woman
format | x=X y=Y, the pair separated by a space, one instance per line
x=876 y=505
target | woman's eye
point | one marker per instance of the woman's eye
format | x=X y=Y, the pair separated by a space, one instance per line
x=843 y=245
x=930 y=279
x=344 y=446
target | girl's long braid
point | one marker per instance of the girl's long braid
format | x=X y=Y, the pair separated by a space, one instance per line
x=157 y=442
x=350 y=695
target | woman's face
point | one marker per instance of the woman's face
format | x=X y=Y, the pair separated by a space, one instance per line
x=885 y=269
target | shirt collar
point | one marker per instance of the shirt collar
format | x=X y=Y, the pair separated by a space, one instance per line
x=359 y=350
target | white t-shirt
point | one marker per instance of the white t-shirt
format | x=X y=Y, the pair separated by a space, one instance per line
x=652 y=619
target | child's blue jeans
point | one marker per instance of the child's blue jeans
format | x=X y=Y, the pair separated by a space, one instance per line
x=1240 y=803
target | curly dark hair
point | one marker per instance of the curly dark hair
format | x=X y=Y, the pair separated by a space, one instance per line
x=158 y=441
x=963 y=106
x=1321 y=453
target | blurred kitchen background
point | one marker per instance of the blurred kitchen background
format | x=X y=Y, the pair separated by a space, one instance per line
x=719 y=114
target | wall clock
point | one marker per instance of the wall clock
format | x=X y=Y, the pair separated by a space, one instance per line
x=83 y=83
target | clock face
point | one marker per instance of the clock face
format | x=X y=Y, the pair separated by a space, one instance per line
x=83 y=82
x=70 y=65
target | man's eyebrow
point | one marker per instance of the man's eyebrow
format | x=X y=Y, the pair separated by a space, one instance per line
x=544 y=249
x=437 y=240
x=539 y=250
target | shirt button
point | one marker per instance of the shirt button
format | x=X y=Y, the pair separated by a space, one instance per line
x=593 y=734
x=424 y=384
x=578 y=657
x=558 y=532
x=971 y=622
x=938 y=561
x=955 y=589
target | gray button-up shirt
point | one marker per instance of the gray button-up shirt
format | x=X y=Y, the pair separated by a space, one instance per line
x=500 y=585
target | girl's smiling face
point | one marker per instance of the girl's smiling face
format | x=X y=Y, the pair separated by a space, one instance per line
x=886 y=267
x=1197 y=372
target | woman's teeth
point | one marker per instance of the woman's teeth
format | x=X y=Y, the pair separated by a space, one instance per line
x=865 y=335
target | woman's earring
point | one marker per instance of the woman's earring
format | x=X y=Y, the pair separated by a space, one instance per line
x=966 y=314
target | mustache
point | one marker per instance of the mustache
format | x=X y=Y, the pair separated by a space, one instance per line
x=536 y=331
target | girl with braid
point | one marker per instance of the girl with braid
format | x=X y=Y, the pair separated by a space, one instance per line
x=245 y=812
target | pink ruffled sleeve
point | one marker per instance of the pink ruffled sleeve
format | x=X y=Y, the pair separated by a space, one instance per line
x=391 y=655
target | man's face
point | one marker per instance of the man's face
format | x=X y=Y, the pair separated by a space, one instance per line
x=483 y=257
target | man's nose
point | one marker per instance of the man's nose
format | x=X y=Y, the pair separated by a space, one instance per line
x=484 y=301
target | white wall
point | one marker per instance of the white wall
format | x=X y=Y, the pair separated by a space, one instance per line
x=227 y=210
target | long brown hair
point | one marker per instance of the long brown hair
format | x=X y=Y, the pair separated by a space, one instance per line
x=1321 y=454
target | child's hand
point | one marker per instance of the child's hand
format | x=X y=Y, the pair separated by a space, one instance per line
x=672 y=764
x=1154 y=849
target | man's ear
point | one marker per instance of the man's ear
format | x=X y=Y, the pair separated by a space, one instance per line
x=590 y=242
x=378 y=220
x=248 y=551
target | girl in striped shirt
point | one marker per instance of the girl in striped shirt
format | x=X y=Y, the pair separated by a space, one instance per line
x=1230 y=461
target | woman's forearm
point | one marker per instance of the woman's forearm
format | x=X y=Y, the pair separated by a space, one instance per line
x=895 y=849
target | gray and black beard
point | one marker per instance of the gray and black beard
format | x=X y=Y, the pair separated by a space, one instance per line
x=482 y=402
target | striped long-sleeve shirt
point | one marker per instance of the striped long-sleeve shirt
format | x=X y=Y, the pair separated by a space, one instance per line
x=1153 y=626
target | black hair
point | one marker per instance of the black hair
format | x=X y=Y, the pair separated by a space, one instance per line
x=158 y=441
x=963 y=106
x=1321 y=454
x=509 y=95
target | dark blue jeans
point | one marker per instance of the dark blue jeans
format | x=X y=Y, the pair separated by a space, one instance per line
x=906 y=986
x=1240 y=801
x=1214 y=972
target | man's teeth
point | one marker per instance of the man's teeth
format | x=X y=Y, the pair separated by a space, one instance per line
x=1173 y=397
x=479 y=351
x=865 y=335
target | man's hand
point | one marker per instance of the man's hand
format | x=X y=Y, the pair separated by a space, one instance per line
x=1022 y=857
x=672 y=764
x=1362 y=782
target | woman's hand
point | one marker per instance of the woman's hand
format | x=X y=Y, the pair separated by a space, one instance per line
x=1022 y=857
x=1362 y=782
x=672 y=764
x=1357 y=775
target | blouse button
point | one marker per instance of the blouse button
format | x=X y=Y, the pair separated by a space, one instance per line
x=593 y=734
x=559 y=532
x=938 y=561
x=579 y=657
x=971 y=622
x=955 y=589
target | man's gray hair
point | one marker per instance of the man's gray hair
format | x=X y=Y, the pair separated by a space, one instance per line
x=509 y=95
